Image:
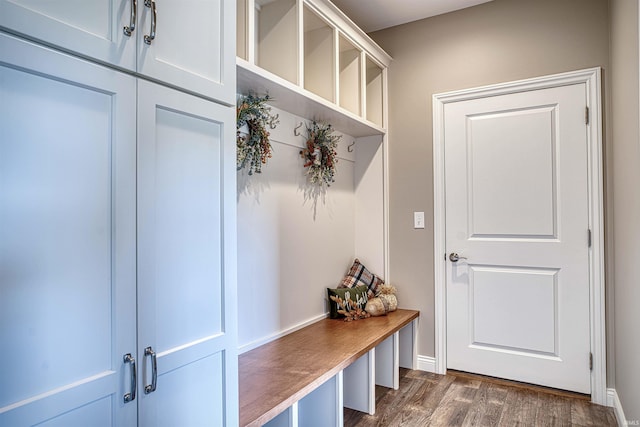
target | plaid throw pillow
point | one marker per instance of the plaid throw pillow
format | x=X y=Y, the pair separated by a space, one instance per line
x=359 y=275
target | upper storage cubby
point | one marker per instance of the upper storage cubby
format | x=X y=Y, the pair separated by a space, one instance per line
x=314 y=62
x=276 y=47
x=241 y=29
x=375 y=91
x=319 y=65
x=350 y=76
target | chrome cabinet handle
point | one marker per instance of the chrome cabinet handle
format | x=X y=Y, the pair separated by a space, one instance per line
x=154 y=19
x=128 y=397
x=454 y=257
x=150 y=388
x=132 y=20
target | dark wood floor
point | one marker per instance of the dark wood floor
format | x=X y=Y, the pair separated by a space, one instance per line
x=456 y=399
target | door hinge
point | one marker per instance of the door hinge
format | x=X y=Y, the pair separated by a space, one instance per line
x=591 y=361
x=589 y=237
x=586 y=115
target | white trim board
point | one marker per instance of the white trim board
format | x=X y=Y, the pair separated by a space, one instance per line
x=592 y=79
x=427 y=364
x=257 y=343
x=614 y=402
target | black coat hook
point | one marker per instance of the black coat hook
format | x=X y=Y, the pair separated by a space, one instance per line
x=349 y=147
x=295 y=130
x=273 y=123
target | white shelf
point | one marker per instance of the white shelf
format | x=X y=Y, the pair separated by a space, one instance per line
x=314 y=61
x=296 y=100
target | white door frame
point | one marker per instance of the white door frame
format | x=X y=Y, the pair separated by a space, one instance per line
x=592 y=78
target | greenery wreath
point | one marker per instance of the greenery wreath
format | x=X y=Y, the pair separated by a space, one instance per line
x=252 y=138
x=320 y=154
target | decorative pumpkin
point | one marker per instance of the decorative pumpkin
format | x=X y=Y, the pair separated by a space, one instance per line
x=375 y=307
x=384 y=302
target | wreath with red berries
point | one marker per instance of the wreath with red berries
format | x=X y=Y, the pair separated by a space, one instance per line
x=253 y=116
x=320 y=155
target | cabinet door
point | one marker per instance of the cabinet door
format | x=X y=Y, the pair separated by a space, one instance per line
x=186 y=258
x=92 y=28
x=67 y=239
x=193 y=48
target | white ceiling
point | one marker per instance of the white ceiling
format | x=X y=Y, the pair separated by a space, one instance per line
x=372 y=15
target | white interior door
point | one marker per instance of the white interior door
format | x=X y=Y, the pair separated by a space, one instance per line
x=186 y=281
x=517 y=210
x=67 y=239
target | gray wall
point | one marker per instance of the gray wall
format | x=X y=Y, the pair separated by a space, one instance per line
x=509 y=40
x=625 y=177
x=494 y=42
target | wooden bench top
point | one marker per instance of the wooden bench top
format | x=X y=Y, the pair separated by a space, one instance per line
x=281 y=372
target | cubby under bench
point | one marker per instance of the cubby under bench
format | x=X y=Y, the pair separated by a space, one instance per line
x=306 y=377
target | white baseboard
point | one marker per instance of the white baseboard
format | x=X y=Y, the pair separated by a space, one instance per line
x=257 y=343
x=614 y=402
x=427 y=364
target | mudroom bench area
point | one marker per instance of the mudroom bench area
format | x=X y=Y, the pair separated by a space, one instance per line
x=306 y=377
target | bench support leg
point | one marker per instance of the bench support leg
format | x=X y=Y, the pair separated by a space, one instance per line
x=359 y=384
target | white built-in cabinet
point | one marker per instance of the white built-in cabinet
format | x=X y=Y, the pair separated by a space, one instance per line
x=316 y=64
x=117 y=216
x=182 y=43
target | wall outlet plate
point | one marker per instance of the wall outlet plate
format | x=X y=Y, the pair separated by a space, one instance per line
x=418 y=220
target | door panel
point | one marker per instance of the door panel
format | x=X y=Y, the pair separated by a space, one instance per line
x=517 y=209
x=514 y=308
x=187 y=229
x=185 y=298
x=67 y=243
x=512 y=182
x=194 y=46
x=89 y=27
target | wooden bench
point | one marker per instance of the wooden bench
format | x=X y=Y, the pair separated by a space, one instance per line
x=305 y=377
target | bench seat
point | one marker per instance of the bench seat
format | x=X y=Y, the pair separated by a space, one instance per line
x=278 y=374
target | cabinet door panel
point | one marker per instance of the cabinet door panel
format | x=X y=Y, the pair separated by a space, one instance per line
x=92 y=28
x=67 y=242
x=194 y=47
x=85 y=416
x=193 y=394
x=186 y=281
